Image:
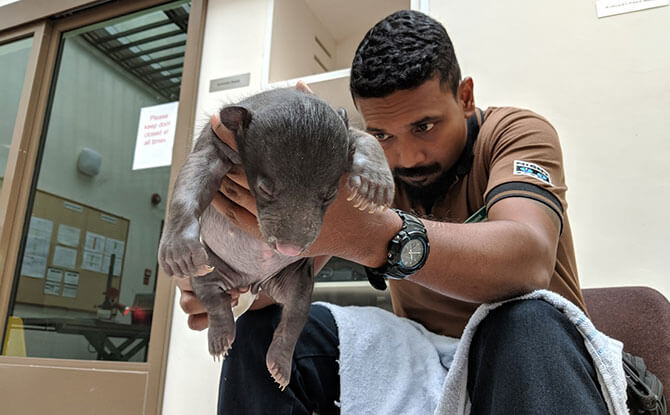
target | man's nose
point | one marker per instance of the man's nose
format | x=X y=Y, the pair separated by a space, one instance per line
x=409 y=154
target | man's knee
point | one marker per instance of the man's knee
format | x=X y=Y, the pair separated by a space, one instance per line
x=524 y=323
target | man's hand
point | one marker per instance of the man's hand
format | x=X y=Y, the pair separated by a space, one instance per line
x=197 y=313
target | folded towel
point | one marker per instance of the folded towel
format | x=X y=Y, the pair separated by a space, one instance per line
x=379 y=353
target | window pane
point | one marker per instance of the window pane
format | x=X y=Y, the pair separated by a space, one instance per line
x=13 y=63
x=87 y=270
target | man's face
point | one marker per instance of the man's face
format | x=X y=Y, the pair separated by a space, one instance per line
x=422 y=130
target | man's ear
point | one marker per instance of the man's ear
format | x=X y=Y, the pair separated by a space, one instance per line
x=235 y=118
x=466 y=96
x=343 y=114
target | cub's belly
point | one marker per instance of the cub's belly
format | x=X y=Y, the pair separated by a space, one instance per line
x=251 y=257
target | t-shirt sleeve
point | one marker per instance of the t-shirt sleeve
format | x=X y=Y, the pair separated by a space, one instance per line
x=524 y=160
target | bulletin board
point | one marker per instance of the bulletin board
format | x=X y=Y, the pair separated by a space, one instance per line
x=68 y=252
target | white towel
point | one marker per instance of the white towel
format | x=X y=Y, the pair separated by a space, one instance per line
x=379 y=353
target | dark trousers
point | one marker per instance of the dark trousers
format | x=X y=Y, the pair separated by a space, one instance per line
x=526 y=358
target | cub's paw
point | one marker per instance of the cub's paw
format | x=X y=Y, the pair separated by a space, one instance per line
x=220 y=338
x=180 y=256
x=370 y=178
x=278 y=361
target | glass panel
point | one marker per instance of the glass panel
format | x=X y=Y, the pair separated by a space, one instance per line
x=13 y=64
x=85 y=283
x=338 y=269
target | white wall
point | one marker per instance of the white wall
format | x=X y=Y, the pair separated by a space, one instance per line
x=234 y=44
x=604 y=85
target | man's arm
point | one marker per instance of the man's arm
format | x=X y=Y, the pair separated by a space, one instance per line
x=513 y=253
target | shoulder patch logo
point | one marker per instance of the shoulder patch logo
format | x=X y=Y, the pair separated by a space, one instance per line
x=530 y=169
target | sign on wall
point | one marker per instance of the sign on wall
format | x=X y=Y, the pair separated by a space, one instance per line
x=155 y=136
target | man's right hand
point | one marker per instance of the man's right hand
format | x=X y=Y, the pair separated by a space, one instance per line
x=197 y=313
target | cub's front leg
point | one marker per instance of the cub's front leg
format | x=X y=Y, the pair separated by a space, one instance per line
x=180 y=251
x=370 y=177
x=210 y=290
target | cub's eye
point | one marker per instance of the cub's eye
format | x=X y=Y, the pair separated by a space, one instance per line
x=425 y=127
x=330 y=196
x=264 y=190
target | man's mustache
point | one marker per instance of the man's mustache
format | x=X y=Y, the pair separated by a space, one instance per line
x=418 y=171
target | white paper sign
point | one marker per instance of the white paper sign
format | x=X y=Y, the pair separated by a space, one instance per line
x=51 y=288
x=155 y=136
x=71 y=278
x=54 y=275
x=64 y=257
x=606 y=8
x=118 y=263
x=70 y=291
x=94 y=242
x=37 y=247
x=92 y=261
x=114 y=246
x=68 y=235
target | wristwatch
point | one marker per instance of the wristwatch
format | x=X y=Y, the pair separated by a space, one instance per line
x=407 y=252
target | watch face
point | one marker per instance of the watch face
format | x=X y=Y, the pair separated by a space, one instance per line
x=412 y=253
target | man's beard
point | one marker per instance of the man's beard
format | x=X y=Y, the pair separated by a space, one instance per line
x=429 y=193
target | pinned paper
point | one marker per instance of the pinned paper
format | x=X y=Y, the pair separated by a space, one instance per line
x=92 y=261
x=68 y=235
x=65 y=257
x=37 y=247
x=155 y=136
x=606 y=8
x=94 y=242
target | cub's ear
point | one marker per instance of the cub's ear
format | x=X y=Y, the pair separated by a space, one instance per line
x=343 y=114
x=235 y=118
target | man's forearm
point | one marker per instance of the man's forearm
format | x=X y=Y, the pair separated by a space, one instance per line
x=483 y=262
x=479 y=262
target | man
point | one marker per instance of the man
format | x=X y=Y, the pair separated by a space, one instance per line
x=449 y=159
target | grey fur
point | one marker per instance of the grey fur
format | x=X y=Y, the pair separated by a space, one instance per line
x=295 y=147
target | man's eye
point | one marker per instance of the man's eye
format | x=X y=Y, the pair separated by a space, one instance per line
x=381 y=136
x=425 y=127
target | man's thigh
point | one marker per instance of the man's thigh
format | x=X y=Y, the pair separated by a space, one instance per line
x=246 y=386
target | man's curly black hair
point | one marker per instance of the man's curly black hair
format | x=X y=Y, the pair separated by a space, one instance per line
x=403 y=51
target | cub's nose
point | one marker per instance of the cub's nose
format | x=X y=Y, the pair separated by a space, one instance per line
x=288 y=249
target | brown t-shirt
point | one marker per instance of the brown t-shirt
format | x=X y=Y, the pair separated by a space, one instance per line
x=516 y=154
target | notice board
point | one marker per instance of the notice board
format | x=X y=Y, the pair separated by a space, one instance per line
x=68 y=254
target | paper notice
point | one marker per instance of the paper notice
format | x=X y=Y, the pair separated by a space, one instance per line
x=54 y=275
x=155 y=136
x=118 y=264
x=114 y=246
x=68 y=235
x=71 y=278
x=94 y=242
x=51 y=288
x=70 y=291
x=606 y=8
x=91 y=261
x=65 y=257
x=33 y=266
x=37 y=247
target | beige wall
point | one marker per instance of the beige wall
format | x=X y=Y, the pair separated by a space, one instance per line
x=604 y=85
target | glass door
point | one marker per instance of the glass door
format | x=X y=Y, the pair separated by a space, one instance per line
x=13 y=63
x=85 y=278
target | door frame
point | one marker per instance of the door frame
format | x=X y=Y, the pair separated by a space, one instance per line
x=24 y=150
